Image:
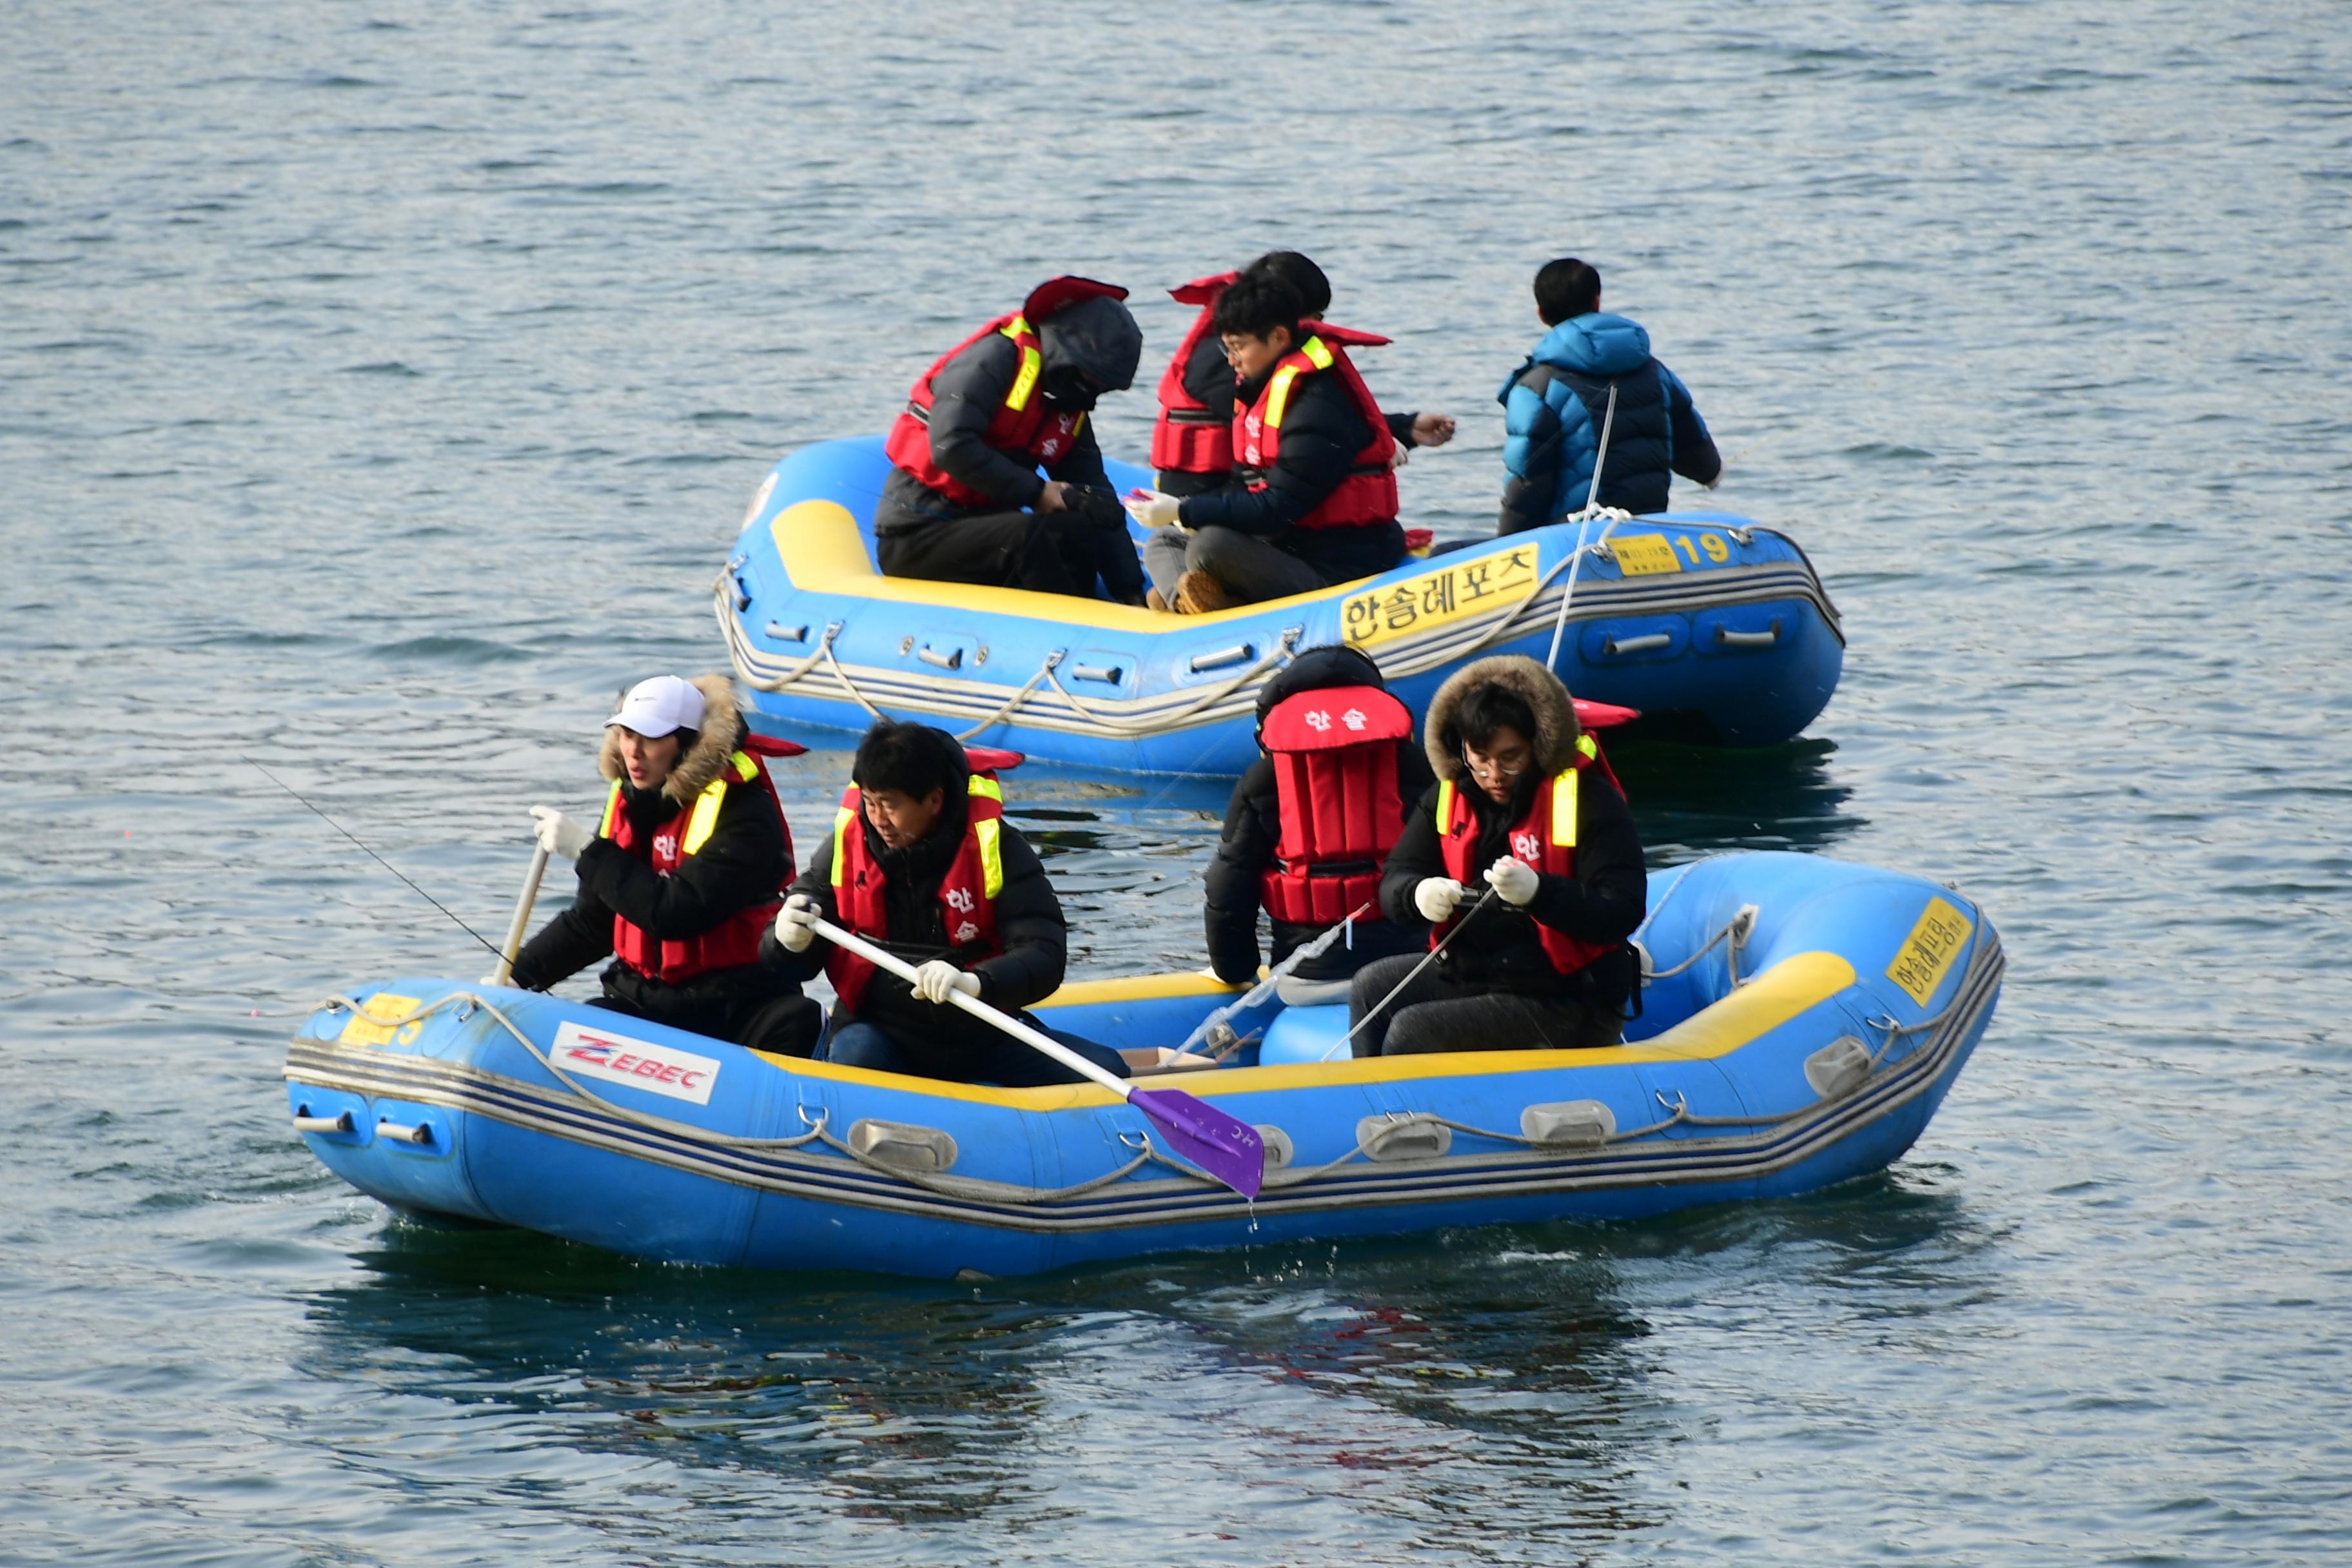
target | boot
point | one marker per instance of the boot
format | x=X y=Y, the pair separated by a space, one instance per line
x=1198 y=593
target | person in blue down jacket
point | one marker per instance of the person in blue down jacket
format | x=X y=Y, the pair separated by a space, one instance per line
x=1556 y=404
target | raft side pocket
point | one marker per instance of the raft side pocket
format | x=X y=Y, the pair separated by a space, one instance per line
x=903 y=1144
x=1569 y=1124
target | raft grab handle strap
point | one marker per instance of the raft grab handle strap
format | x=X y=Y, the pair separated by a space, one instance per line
x=1638 y=645
x=305 y=1122
x=1729 y=638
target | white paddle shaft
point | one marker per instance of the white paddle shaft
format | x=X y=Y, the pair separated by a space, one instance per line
x=883 y=958
x=516 y=926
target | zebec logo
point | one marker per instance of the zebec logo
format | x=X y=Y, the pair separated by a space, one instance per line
x=657 y=1070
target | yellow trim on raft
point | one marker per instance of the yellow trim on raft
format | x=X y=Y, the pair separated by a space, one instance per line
x=823 y=553
x=1141 y=988
x=1786 y=991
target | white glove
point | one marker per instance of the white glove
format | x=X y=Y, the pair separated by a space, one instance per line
x=1435 y=897
x=796 y=922
x=1515 y=880
x=1153 y=509
x=934 y=980
x=558 y=834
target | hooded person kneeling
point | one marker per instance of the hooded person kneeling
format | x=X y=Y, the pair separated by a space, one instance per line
x=922 y=862
x=681 y=877
x=1526 y=807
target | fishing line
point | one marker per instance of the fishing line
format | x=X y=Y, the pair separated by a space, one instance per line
x=371 y=855
x=1434 y=954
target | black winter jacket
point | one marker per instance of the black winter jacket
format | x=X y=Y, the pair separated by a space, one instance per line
x=1322 y=434
x=1029 y=928
x=741 y=866
x=965 y=395
x=1498 y=948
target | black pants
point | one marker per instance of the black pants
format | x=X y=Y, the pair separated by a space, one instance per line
x=1435 y=1013
x=742 y=1006
x=1047 y=553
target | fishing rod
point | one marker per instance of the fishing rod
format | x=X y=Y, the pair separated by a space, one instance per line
x=371 y=855
x=1398 y=989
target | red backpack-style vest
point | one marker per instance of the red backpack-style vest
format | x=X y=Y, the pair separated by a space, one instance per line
x=733 y=941
x=1369 y=494
x=1022 y=423
x=1190 y=437
x=1335 y=779
x=1545 y=839
x=967 y=893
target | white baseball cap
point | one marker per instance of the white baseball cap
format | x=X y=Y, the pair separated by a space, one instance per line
x=655 y=708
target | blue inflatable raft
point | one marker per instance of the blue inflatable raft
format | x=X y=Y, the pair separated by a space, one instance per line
x=1710 y=626
x=1805 y=1019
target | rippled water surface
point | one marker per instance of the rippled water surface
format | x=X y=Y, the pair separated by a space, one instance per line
x=380 y=385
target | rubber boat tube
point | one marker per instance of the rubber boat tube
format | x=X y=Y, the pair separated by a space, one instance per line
x=1706 y=623
x=1807 y=1017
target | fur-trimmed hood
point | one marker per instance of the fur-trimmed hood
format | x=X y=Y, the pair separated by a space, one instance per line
x=720 y=736
x=1555 y=727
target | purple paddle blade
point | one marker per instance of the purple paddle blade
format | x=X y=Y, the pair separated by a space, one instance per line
x=1228 y=1149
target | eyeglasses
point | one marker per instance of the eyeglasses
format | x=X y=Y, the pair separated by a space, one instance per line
x=1497 y=766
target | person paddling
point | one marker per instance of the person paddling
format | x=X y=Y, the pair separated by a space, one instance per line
x=681 y=875
x=921 y=860
x=1525 y=806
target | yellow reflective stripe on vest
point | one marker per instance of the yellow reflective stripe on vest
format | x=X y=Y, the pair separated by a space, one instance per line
x=1444 y=805
x=1277 y=394
x=1032 y=361
x=611 y=812
x=842 y=819
x=705 y=820
x=990 y=835
x=1563 y=809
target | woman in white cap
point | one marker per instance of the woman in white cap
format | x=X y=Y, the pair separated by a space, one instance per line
x=682 y=875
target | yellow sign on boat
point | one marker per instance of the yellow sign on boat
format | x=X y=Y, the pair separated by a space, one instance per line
x=371 y=1025
x=1643 y=554
x=1470 y=588
x=1926 y=955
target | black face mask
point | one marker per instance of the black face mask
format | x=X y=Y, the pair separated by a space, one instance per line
x=1067 y=387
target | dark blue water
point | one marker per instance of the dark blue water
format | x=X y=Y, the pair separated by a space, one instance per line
x=381 y=385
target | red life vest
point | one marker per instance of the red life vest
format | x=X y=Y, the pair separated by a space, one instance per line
x=1545 y=840
x=733 y=941
x=1335 y=781
x=1022 y=426
x=1369 y=494
x=967 y=893
x=1190 y=437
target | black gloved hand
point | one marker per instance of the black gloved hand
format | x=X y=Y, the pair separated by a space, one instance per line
x=1094 y=507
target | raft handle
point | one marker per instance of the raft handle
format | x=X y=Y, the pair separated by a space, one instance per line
x=401 y=1132
x=951 y=659
x=788 y=634
x=306 y=1122
x=742 y=594
x=1237 y=654
x=1613 y=646
x=1729 y=638
x=1110 y=674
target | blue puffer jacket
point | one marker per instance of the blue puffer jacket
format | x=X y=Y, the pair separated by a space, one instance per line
x=1554 y=408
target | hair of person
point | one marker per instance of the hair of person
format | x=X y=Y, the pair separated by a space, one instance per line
x=1566 y=287
x=1255 y=303
x=1484 y=710
x=1314 y=289
x=911 y=759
